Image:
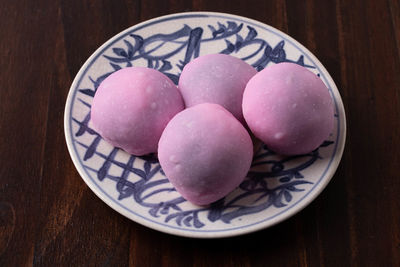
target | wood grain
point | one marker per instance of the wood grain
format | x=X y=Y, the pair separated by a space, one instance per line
x=49 y=217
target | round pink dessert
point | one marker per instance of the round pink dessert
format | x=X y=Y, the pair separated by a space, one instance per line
x=132 y=106
x=289 y=108
x=216 y=78
x=205 y=152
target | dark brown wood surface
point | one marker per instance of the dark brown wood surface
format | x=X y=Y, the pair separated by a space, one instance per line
x=49 y=217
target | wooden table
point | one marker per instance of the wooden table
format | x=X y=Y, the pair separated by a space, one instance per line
x=49 y=217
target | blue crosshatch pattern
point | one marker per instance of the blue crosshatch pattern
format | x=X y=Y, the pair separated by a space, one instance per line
x=287 y=179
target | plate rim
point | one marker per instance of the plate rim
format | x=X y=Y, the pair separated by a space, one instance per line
x=297 y=207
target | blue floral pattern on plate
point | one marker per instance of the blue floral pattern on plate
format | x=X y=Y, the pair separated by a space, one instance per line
x=137 y=186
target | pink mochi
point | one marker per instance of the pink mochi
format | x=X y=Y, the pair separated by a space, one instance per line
x=289 y=108
x=132 y=106
x=205 y=152
x=216 y=78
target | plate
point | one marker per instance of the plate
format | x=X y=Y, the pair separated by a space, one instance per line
x=275 y=188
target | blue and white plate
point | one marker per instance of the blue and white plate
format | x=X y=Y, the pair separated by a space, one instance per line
x=275 y=188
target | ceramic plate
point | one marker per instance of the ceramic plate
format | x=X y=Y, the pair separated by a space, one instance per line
x=275 y=188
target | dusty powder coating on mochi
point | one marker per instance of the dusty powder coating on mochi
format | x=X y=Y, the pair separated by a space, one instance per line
x=132 y=107
x=289 y=108
x=216 y=78
x=205 y=152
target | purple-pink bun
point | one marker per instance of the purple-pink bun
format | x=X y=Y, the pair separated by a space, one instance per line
x=205 y=152
x=289 y=108
x=216 y=78
x=132 y=106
